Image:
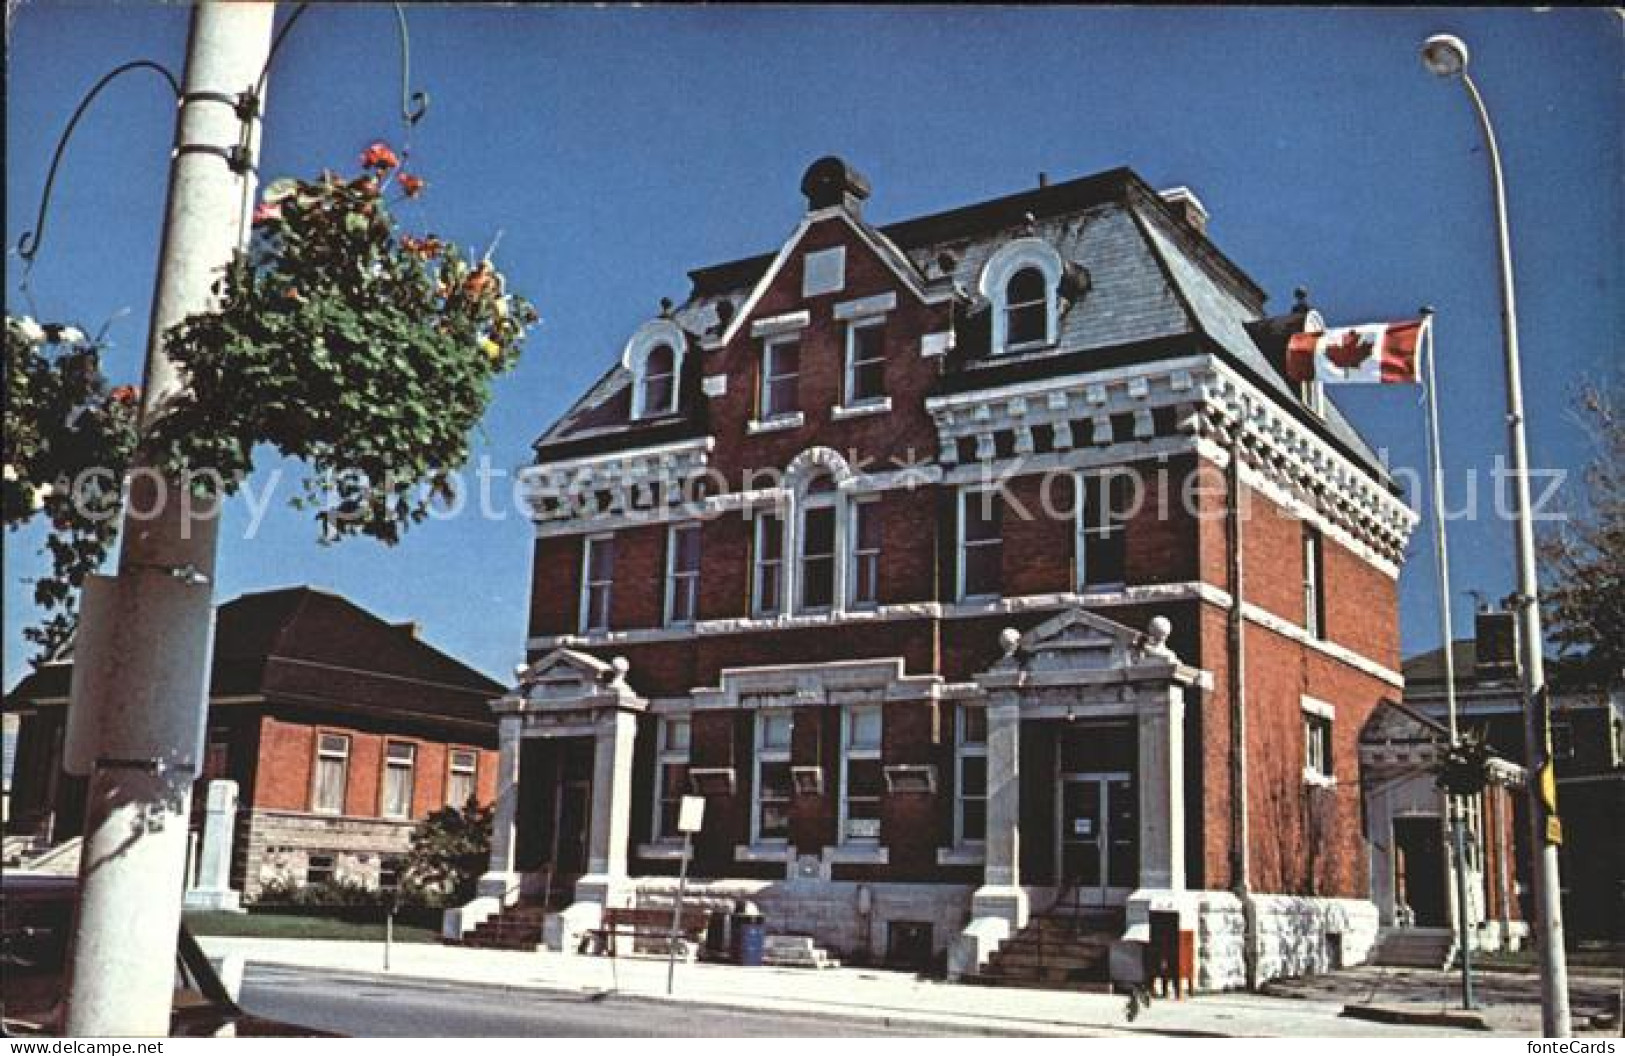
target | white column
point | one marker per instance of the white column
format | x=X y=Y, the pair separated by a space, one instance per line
x=611 y=795
x=213 y=888
x=1161 y=779
x=1001 y=894
x=500 y=876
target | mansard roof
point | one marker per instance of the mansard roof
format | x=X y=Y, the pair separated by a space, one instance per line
x=1157 y=288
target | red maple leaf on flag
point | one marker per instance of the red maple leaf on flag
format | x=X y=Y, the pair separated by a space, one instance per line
x=1350 y=352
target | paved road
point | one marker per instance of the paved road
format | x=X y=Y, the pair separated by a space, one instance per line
x=413 y=1008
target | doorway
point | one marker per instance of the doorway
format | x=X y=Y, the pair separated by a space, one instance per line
x=1419 y=880
x=1097 y=837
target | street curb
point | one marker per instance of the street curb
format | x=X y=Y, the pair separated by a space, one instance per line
x=1420 y=1017
x=1005 y=1026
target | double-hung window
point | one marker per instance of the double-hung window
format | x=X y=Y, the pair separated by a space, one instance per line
x=863 y=576
x=671 y=774
x=1026 y=310
x=970 y=777
x=462 y=785
x=682 y=575
x=659 y=381
x=332 y=773
x=767 y=591
x=400 y=759
x=1102 y=528
x=863 y=778
x=1317 y=744
x=981 y=543
x=773 y=782
x=781 y=377
x=818 y=538
x=1314 y=601
x=597 y=582
x=865 y=362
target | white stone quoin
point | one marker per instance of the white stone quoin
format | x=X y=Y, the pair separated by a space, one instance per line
x=213 y=888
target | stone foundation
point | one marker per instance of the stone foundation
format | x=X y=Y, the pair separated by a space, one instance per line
x=277 y=847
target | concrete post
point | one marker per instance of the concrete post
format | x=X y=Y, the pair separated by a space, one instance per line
x=134 y=852
x=611 y=794
x=1162 y=791
x=1001 y=894
x=500 y=875
x=213 y=888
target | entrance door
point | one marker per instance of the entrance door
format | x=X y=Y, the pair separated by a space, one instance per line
x=1419 y=870
x=571 y=825
x=1098 y=837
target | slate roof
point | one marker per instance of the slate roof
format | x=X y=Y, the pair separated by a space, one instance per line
x=1152 y=279
x=308 y=646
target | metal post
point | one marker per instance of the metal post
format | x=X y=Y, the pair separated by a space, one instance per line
x=1441 y=565
x=134 y=853
x=677 y=912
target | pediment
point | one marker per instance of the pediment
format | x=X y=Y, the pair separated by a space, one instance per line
x=1079 y=640
x=1392 y=724
x=566 y=675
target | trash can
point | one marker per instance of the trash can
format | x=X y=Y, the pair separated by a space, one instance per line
x=718 y=936
x=749 y=937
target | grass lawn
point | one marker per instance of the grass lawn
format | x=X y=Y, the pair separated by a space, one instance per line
x=285 y=926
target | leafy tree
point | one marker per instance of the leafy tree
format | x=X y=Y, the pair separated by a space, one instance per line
x=1583 y=558
x=450 y=849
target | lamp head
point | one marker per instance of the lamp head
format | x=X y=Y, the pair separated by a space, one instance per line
x=1444 y=55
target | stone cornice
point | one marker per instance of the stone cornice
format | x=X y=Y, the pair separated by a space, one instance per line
x=562 y=491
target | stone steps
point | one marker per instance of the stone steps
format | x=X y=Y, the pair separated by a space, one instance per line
x=518 y=927
x=1414 y=948
x=795 y=951
x=1066 y=951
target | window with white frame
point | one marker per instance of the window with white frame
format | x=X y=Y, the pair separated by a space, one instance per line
x=981 y=543
x=970 y=775
x=767 y=590
x=863 y=777
x=332 y=773
x=597 y=582
x=818 y=546
x=1314 y=612
x=658 y=385
x=320 y=868
x=462 y=784
x=1026 y=310
x=400 y=760
x=863 y=576
x=1317 y=740
x=771 y=814
x=671 y=774
x=781 y=378
x=1102 y=528
x=1020 y=281
x=865 y=362
x=682 y=575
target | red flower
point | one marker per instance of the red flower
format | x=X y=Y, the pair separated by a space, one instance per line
x=266 y=212
x=125 y=394
x=379 y=156
x=421 y=247
x=412 y=185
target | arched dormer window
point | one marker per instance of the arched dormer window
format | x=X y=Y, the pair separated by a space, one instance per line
x=654 y=357
x=1021 y=281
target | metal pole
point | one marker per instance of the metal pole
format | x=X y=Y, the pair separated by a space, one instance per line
x=137 y=811
x=677 y=912
x=1441 y=565
x=1545 y=831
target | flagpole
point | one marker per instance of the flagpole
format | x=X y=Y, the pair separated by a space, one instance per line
x=1454 y=806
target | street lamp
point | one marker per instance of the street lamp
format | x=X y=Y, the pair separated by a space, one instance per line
x=1446 y=56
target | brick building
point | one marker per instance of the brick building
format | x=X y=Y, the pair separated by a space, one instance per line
x=974 y=568
x=341 y=730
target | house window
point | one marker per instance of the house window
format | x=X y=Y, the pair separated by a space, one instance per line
x=597 y=579
x=818 y=554
x=462 y=786
x=864 y=574
x=981 y=544
x=1102 y=529
x=1314 y=600
x=970 y=775
x=682 y=575
x=773 y=784
x=319 y=869
x=781 y=377
x=332 y=772
x=865 y=362
x=399 y=760
x=1026 y=310
x=768 y=588
x=671 y=774
x=863 y=777
x=1562 y=741
x=658 y=385
x=1317 y=745
x=390 y=869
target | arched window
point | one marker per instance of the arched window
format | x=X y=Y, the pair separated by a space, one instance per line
x=1020 y=281
x=1026 y=309
x=659 y=381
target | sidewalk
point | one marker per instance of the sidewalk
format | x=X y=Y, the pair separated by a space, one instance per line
x=846 y=993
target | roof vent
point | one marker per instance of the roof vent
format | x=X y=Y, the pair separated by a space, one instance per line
x=1187 y=207
x=832 y=182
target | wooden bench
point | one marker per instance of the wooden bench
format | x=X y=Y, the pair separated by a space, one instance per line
x=643 y=924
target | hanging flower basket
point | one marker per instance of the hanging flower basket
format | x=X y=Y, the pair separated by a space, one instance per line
x=1464 y=769
x=365 y=352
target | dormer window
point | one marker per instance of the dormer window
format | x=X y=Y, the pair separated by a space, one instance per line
x=659 y=381
x=654 y=358
x=1022 y=282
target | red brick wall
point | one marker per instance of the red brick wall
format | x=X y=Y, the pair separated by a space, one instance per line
x=555 y=586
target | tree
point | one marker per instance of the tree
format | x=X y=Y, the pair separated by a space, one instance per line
x=1583 y=557
x=450 y=849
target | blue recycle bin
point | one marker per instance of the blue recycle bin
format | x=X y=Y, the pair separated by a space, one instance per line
x=749 y=938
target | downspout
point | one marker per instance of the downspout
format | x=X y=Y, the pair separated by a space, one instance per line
x=1240 y=882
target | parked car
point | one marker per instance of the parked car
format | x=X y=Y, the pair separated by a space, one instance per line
x=37 y=927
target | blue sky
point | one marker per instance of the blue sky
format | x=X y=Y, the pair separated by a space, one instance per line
x=614 y=149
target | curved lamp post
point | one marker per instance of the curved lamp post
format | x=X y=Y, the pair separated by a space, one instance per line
x=1447 y=56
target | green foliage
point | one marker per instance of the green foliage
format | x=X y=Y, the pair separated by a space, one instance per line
x=450 y=849
x=68 y=441
x=337 y=893
x=1464 y=768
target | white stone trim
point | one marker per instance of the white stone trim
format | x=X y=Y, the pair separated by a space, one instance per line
x=823 y=271
x=1311 y=706
x=645 y=339
x=861 y=410
x=1317 y=779
x=864 y=307
x=1287 y=629
x=968 y=854
x=763 y=852
x=938 y=344
x=787 y=322
x=857 y=854
x=756 y=427
x=1012 y=257
x=663 y=851
x=714 y=385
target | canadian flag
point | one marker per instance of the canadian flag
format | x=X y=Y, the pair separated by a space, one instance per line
x=1376 y=353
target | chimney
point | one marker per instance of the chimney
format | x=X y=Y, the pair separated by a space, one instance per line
x=411 y=627
x=1187 y=207
x=1495 y=637
x=830 y=181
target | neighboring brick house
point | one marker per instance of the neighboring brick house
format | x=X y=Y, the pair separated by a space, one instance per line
x=341 y=730
x=765 y=572
x=1588 y=745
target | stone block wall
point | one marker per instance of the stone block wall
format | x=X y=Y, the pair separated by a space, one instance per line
x=276 y=847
